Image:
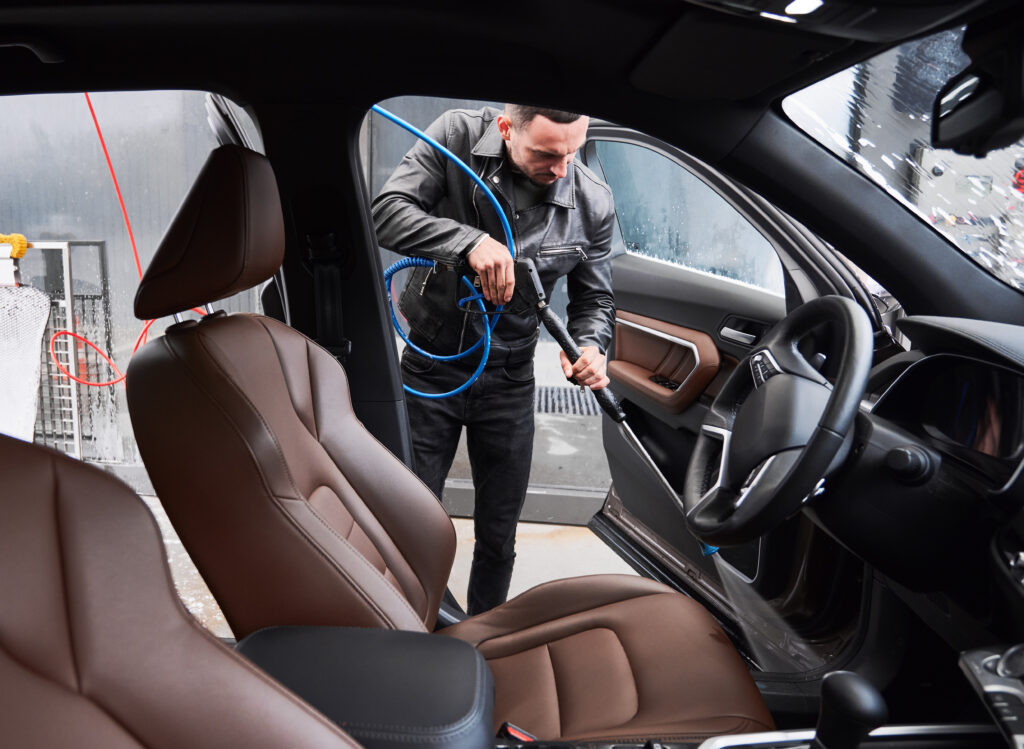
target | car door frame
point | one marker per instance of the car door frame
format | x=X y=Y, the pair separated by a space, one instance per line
x=810 y=269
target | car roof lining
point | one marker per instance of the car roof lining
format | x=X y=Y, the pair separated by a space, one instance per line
x=696 y=77
x=328 y=64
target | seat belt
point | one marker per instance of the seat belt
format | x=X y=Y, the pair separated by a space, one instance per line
x=329 y=268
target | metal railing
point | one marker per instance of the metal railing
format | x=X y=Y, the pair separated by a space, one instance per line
x=70 y=414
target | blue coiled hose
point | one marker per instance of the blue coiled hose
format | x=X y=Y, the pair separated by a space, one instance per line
x=485 y=339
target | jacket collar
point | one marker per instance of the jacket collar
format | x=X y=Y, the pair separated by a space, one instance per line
x=491 y=145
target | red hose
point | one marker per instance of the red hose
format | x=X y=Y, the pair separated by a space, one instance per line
x=117 y=188
x=138 y=267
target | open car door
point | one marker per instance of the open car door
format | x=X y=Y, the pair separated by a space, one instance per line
x=707 y=269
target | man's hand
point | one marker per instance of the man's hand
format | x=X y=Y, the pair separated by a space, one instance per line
x=493 y=263
x=589 y=370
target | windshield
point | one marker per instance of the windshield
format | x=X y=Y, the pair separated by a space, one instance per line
x=876 y=116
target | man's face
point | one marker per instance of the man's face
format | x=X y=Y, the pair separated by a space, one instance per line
x=542 y=149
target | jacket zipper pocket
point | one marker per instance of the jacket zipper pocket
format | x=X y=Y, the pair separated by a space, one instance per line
x=555 y=251
x=423 y=286
x=462 y=334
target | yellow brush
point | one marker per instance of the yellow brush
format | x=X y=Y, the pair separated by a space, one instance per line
x=17 y=242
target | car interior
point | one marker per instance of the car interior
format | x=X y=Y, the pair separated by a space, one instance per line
x=820 y=486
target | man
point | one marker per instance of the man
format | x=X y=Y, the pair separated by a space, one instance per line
x=561 y=216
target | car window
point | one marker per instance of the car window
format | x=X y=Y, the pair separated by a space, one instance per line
x=666 y=213
x=877 y=117
x=90 y=242
x=58 y=153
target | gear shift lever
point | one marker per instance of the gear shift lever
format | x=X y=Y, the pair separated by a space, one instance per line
x=851 y=708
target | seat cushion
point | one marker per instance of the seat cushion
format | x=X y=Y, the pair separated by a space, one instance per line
x=613 y=658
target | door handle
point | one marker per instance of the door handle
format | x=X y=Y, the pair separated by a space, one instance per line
x=737 y=336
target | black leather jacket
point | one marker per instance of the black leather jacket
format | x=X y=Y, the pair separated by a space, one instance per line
x=430 y=208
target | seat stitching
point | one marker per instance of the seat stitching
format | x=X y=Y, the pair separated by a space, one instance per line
x=315 y=435
x=547 y=647
x=401 y=596
x=258 y=467
x=554 y=680
x=632 y=672
x=280 y=453
x=63 y=574
x=309 y=378
x=280 y=359
x=204 y=344
x=698 y=735
x=565 y=615
x=331 y=562
x=351 y=518
x=94 y=699
x=91 y=700
x=309 y=346
x=618 y=737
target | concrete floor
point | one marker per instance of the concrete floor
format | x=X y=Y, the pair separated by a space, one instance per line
x=543 y=552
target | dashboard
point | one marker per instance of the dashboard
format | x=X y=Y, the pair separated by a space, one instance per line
x=969 y=410
x=932 y=494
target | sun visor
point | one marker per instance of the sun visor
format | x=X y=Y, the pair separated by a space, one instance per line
x=693 y=61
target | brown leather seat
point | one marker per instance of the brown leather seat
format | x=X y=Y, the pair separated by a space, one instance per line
x=295 y=514
x=95 y=647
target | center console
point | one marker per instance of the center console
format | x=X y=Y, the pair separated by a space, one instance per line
x=400 y=690
x=996 y=675
x=387 y=689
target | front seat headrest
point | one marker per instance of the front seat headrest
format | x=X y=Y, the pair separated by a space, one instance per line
x=227 y=236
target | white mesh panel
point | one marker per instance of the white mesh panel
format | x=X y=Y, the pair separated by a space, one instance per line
x=23 y=314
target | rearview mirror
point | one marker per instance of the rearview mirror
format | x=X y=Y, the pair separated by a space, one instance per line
x=982 y=108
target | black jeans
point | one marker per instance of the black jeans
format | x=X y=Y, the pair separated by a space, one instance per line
x=497 y=411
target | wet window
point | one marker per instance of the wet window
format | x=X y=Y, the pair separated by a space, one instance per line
x=668 y=214
x=91 y=241
x=877 y=117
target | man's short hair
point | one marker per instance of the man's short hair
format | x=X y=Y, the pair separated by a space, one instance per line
x=522 y=115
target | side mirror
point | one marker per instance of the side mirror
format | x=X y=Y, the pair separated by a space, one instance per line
x=982 y=108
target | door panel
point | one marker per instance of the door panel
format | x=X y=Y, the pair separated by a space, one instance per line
x=668 y=364
x=696 y=288
x=691 y=307
x=692 y=299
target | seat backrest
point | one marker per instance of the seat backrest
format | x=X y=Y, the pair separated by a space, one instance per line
x=292 y=511
x=96 y=650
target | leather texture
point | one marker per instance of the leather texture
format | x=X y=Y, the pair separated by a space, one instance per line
x=430 y=209
x=389 y=689
x=613 y=658
x=293 y=512
x=222 y=240
x=640 y=354
x=95 y=648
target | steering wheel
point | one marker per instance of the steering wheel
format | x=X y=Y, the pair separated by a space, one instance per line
x=777 y=428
